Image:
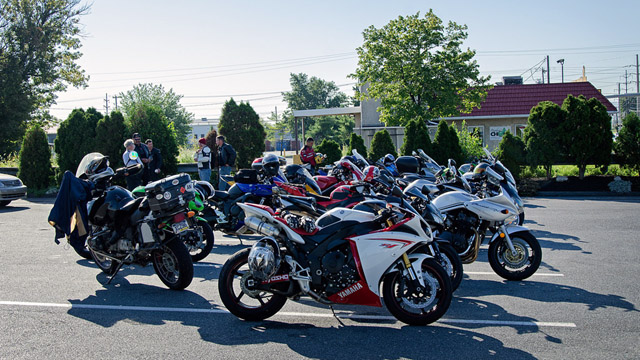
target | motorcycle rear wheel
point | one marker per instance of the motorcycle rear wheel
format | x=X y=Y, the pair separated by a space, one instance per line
x=518 y=267
x=406 y=307
x=173 y=265
x=199 y=253
x=243 y=303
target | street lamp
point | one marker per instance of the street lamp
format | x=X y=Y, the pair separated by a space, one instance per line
x=561 y=62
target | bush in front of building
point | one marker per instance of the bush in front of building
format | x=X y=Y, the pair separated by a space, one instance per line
x=357 y=142
x=511 y=152
x=34 y=167
x=470 y=143
x=381 y=145
x=331 y=149
x=627 y=145
x=416 y=136
x=542 y=135
x=446 y=145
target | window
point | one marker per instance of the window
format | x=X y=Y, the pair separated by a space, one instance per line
x=520 y=129
x=479 y=130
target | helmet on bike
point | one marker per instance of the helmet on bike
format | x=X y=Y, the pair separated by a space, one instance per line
x=371 y=172
x=264 y=259
x=389 y=159
x=480 y=170
x=94 y=166
x=205 y=188
x=271 y=165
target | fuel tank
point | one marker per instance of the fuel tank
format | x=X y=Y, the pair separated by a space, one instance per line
x=452 y=200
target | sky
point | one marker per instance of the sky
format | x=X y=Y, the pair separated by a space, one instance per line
x=210 y=51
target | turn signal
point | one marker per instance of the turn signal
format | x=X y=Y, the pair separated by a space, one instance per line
x=191 y=214
x=505 y=211
x=502 y=235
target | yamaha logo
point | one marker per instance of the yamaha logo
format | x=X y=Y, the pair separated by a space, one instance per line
x=350 y=290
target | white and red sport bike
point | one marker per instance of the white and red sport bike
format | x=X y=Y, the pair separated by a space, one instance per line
x=341 y=258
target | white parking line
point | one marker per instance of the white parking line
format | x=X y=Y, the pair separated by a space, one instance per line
x=492 y=273
x=342 y=315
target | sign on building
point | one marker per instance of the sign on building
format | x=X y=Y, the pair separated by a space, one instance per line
x=497 y=132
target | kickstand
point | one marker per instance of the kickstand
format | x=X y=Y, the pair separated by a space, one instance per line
x=115 y=272
x=336 y=316
x=240 y=239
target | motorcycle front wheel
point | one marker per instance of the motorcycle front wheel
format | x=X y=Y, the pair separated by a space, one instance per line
x=452 y=264
x=199 y=252
x=251 y=305
x=423 y=307
x=520 y=266
x=83 y=251
x=173 y=265
x=105 y=264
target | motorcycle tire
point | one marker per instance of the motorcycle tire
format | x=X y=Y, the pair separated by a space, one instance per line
x=520 y=267
x=107 y=266
x=258 y=305
x=84 y=252
x=403 y=306
x=198 y=254
x=173 y=265
x=453 y=259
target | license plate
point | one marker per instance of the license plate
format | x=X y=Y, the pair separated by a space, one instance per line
x=180 y=226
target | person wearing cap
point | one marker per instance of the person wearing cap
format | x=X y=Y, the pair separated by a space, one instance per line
x=203 y=158
x=155 y=161
x=308 y=155
x=143 y=153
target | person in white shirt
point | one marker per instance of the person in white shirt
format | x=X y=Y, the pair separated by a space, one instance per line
x=203 y=158
x=130 y=157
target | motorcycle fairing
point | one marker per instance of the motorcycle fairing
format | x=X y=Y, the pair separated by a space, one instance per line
x=325 y=181
x=511 y=229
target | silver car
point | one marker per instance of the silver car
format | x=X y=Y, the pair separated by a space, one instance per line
x=11 y=188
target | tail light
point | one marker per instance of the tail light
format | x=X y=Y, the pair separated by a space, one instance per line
x=178 y=217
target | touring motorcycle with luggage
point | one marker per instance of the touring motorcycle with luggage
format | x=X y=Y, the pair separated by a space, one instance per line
x=123 y=230
x=345 y=259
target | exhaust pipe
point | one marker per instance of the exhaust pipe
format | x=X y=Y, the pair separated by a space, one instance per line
x=260 y=226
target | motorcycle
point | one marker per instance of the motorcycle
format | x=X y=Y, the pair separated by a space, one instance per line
x=344 y=260
x=343 y=173
x=514 y=253
x=124 y=230
x=199 y=238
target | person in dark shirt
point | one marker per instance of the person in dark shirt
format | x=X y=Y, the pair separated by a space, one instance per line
x=155 y=161
x=226 y=159
x=143 y=153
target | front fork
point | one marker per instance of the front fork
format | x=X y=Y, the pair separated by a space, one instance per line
x=414 y=275
x=505 y=235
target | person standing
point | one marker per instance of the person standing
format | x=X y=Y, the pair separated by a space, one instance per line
x=308 y=155
x=129 y=158
x=226 y=159
x=143 y=153
x=155 y=161
x=203 y=158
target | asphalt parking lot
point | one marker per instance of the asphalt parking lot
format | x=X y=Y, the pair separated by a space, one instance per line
x=582 y=304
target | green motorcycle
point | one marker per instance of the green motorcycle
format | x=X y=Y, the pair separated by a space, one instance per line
x=199 y=241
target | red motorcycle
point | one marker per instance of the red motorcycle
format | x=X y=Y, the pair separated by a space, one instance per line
x=344 y=173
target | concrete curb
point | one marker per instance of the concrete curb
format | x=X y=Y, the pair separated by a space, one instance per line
x=585 y=193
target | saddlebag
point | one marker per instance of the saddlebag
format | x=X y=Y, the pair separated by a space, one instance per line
x=246 y=176
x=170 y=194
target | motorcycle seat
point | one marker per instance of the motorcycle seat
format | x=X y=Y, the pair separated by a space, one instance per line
x=319 y=197
x=220 y=195
x=131 y=205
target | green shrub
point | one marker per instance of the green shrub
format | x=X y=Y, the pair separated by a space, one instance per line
x=151 y=123
x=381 y=145
x=357 y=142
x=627 y=144
x=511 y=153
x=35 y=159
x=416 y=136
x=331 y=149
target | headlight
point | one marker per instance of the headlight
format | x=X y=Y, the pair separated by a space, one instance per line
x=512 y=220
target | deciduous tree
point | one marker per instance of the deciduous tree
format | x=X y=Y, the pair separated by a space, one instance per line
x=628 y=143
x=416 y=67
x=542 y=135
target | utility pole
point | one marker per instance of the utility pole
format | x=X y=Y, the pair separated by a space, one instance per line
x=561 y=62
x=543 y=71
x=281 y=135
x=548 y=71
x=106 y=103
x=116 y=99
x=637 y=85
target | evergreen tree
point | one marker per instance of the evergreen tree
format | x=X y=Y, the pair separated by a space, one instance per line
x=241 y=127
x=357 y=142
x=151 y=123
x=381 y=145
x=331 y=149
x=76 y=138
x=446 y=144
x=511 y=152
x=542 y=135
x=35 y=159
x=111 y=132
x=587 y=132
x=628 y=143
x=416 y=136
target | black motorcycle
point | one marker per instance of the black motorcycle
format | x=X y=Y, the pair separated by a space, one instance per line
x=124 y=230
